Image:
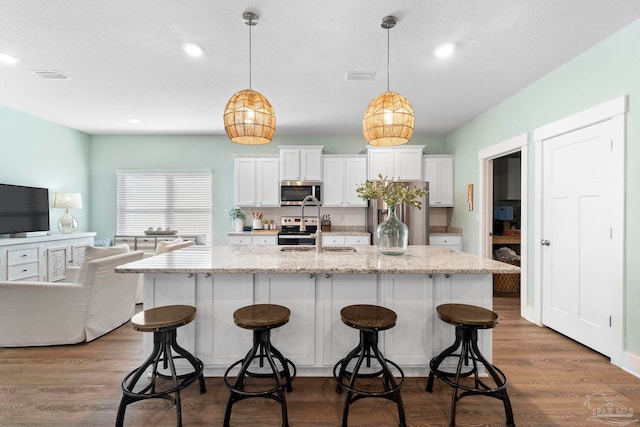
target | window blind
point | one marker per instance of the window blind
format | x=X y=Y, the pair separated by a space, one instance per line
x=180 y=200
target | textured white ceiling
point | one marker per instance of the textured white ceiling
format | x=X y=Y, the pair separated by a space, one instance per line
x=125 y=60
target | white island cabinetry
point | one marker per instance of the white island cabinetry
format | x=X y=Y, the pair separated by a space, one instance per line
x=315 y=287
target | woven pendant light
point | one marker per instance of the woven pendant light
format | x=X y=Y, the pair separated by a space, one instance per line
x=389 y=117
x=248 y=117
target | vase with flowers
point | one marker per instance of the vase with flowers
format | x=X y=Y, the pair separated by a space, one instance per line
x=392 y=234
x=237 y=218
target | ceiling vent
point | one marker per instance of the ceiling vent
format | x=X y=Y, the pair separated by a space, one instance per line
x=360 y=75
x=51 y=75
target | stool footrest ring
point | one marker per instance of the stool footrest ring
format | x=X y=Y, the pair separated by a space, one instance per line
x=365 y=393
x=284 y=384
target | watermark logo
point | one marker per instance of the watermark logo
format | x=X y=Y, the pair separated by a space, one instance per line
x=608 y=411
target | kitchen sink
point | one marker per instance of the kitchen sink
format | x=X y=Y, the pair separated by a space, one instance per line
x=313 y=248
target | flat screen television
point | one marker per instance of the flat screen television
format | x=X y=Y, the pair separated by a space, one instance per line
x=23 y=209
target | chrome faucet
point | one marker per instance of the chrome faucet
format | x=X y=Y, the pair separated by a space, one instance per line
x=318 y=234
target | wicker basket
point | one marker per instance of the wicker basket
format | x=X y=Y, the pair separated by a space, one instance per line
x=507 y=283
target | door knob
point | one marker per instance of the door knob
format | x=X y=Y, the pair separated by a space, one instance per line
x=545 y=242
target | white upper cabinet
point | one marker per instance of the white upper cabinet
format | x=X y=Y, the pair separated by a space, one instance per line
x=342 y=175
x=256 y=181
x=438 y=171
x=397 y=163
x=300 y=163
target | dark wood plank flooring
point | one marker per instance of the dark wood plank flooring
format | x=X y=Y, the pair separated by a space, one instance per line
x=549 y=375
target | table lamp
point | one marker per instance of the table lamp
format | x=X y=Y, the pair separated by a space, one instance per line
x=67 y=223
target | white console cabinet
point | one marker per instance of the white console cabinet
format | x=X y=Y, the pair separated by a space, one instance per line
x=148 y=243
x=42 y=259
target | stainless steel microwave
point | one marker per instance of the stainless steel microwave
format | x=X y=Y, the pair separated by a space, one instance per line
x=292 y=193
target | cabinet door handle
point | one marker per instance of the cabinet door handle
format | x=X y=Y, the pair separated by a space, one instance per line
x=545 y=242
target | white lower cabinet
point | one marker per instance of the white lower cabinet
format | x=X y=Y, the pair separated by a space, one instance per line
x=315 y=337
x=253 y=239
x=345 y=240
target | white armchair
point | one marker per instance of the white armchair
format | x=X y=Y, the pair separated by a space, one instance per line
x=39 y=314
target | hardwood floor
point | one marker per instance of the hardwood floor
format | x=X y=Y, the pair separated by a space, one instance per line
x=549 y=375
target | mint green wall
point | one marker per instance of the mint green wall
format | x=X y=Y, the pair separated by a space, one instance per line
x=608 y=70
x=111 y=152
x=35 y=152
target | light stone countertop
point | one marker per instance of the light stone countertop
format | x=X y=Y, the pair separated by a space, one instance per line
x=239 y=259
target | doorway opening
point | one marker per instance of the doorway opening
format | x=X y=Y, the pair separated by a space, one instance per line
x=503 y=213
x=507 y=221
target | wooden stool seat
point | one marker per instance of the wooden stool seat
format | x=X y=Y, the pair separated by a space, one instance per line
x=263 y=360
x=467 y=315
x=366 y=316
x=366 y=363
x=468 y=319
x=156 y=319
x=164 y=323
x=261 y=316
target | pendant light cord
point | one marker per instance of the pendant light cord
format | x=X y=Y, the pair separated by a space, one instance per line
x=388 y=59
x=250 y=25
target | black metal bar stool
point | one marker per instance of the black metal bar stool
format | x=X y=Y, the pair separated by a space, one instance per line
x=261 y=319
x=368 y=319
x=163 y=322
x=468 y=319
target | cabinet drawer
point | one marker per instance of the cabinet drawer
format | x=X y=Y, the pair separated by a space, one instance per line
x=23 y=271
x=130 y=241
x=21 y=256
x=453 y=241
x=356 y=240
x=146 y=244
x=264 y=240
x=333 y=240
x=239 y=240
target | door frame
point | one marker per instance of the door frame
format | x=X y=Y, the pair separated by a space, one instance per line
x=615 y=111
x=486 y=157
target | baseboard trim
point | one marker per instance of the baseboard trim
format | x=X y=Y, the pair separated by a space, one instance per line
x=631 y=363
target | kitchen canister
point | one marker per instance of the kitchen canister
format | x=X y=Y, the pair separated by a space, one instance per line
x=257 y=224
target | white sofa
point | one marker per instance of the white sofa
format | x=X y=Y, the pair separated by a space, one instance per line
x=98 y=301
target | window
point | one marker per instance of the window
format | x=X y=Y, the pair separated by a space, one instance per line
x=180 y=200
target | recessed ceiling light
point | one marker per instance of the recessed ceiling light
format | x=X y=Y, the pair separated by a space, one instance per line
x=445 y=50
x=134 y=121
x=5 y=58
x=193 y=49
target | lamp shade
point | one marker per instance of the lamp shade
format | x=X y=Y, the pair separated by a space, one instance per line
x=388 y=120
x=67 y=200
x=249 y=118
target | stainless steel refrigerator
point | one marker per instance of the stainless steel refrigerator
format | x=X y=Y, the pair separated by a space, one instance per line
x=416 y=220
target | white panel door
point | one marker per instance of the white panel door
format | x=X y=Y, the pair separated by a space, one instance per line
x=577 y=241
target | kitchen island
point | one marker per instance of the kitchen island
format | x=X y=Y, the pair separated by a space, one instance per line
x=217 y=280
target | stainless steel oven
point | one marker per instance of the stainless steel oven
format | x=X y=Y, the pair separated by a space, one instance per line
x=291 y=235
x=292 y=193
